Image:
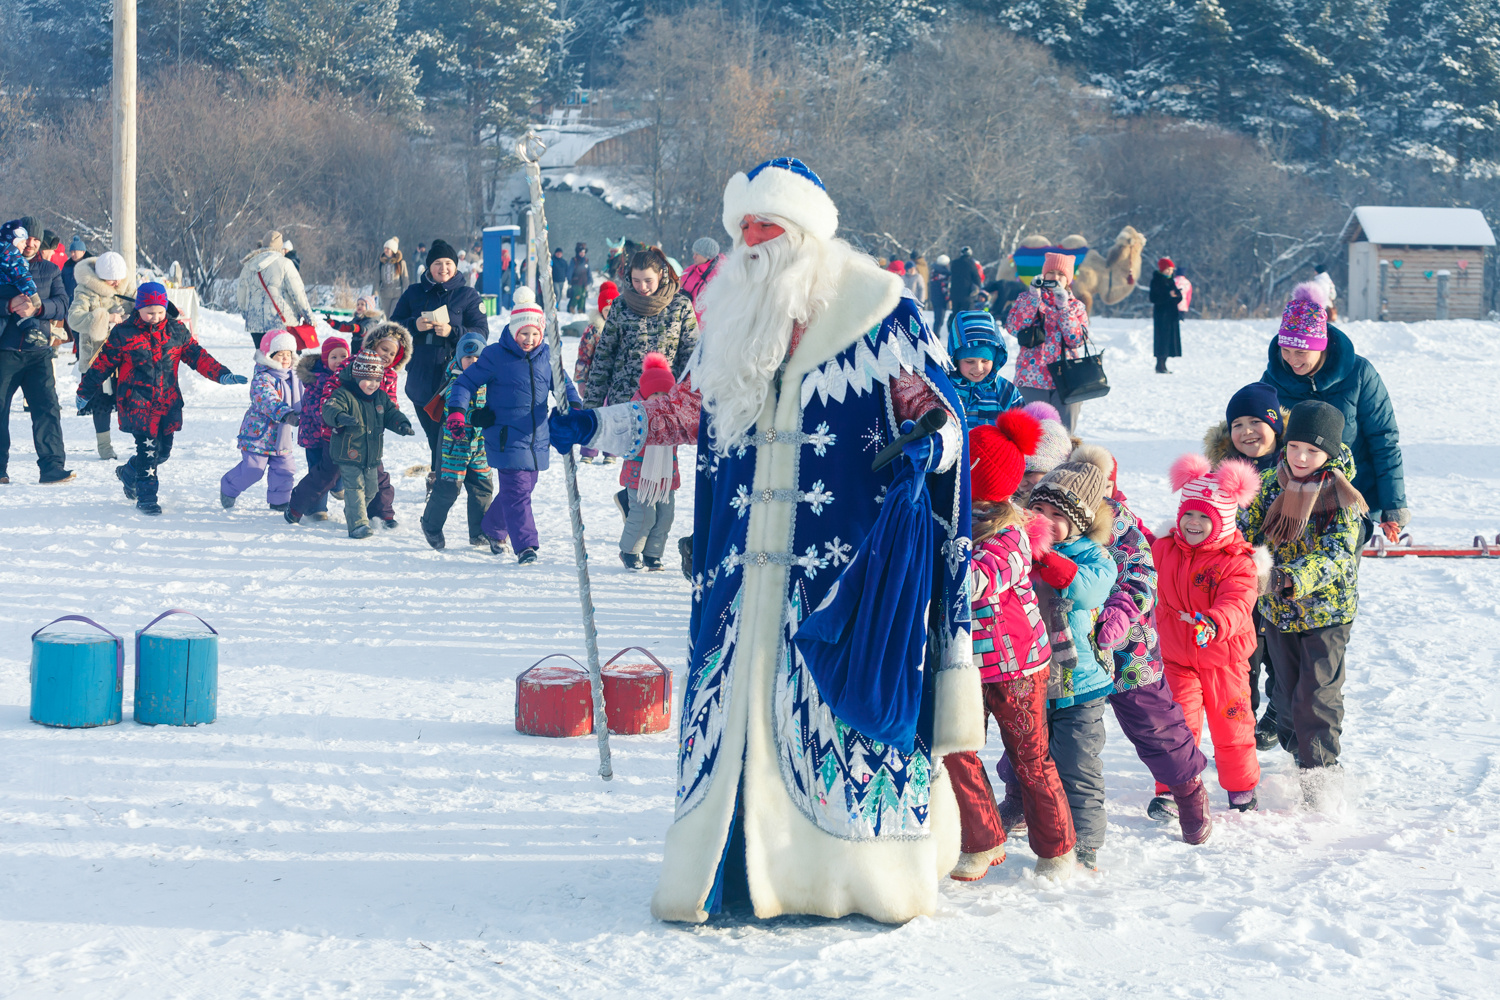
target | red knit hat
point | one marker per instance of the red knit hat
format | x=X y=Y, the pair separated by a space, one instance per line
x=330 y=344
x=608 y=292
x=656 y=375
x=997 y=454
x=1217 y=493
x=1162 y=263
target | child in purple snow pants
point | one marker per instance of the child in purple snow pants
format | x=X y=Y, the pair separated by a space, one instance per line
x=509 y=514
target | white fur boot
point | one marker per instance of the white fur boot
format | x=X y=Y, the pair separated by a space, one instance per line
x=1059 y=869
x=973 y=867
x=106 y=449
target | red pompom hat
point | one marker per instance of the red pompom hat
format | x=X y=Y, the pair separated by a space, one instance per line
x=1217 y=493
x=656 y=375
x=608 y=292
x=998 y=452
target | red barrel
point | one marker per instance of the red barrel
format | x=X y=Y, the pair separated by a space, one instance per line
x=637 y=696
x=554 y=700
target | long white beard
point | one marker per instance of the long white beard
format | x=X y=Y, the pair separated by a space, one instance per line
x=748 y=310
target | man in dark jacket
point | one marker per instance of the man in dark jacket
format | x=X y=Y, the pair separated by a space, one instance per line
x=26 y=363
x=579 y=280
x=434 y=342
x=965 y=281
x=1338 y=376
x=937 y=292
x=561 y=268
x=1166 y=320
x=77 y=250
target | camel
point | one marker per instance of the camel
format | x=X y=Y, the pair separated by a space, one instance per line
x=1111 y=277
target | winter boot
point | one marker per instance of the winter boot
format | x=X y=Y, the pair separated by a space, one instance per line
x=1059 y=869
x=1162 y=809
x=632 y=561
x=498 y=548
x=292 y=517
x=1245 y=802
x=1192 y=811
x=1088 y=857
x=973 y=867
x=145 y=495
x=319 y=515
x=225 y=500
x=363 y=531
x=106 y=447
x=652 y=564
x=60 y=476
x=389 y=522
x=1012 y=815
x=1265 y=733
x=126 y=475
x=1322 y=787
x=527 y=557
x=435 y=539
x=278 y=507
x=478 y=540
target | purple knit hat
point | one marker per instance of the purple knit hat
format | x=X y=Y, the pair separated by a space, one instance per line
x=1304 y=322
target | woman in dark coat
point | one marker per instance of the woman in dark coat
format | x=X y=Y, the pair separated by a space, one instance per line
x=433 y=344
x=1166 y=320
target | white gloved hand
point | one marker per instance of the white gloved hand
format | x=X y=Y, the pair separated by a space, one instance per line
x=1060 y=296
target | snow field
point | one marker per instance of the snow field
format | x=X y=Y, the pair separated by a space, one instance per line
x=363 y=820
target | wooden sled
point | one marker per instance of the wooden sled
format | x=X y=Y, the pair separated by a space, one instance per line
x=1379 y=548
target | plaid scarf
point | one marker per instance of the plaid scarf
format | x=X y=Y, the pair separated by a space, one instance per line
x=1324 y=493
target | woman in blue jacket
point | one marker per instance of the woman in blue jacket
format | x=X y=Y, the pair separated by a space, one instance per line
x=1308 y=359
x=516 y=374
x=433 y=344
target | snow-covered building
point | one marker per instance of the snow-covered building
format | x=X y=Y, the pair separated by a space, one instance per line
x=1409 y=263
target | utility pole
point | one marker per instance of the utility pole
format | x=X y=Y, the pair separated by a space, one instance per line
x=122 y=189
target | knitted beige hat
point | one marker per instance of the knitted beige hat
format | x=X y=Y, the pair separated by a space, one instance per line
x=1075 y=488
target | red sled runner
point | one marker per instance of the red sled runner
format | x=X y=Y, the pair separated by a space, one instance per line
x=1379 y=548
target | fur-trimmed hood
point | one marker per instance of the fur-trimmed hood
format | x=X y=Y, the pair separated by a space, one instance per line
x=1217 y=444
x=89 y=280
x=384 y=329
x=306 y=369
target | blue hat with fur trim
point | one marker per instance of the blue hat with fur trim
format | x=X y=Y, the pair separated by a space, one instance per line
x=785 y=188
x=974 y=335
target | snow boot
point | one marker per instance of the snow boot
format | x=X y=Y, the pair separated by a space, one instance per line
x=1245 y=802
x=292 y=517
x=126 y=475
x=1088 y=857
x=278 y=507
x=1265 y=733
x=1162 y=809
x=973 y=867
x=389 y=522
x=225 y=500
x=106 y=447
x=478 y=540
x=60 y=476
x=1059 y=869
x=363 y=531
x=632 y=561
x=319 y=515
x=498 y=548
x=527 y=557
x=1012 y=815
x=435 y=539
x=1192 y=811
x=652 y=564
x=145 y=495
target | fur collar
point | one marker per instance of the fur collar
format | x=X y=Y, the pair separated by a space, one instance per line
x=866 y=294
x=306 y=369
x=1217 y=445
x=89 y=280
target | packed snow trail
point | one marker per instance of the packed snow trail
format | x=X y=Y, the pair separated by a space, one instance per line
x=364 y=821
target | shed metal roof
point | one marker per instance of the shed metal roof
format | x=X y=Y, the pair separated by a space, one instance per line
x=1395 y=225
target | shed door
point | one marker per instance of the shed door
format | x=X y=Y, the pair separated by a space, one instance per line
x=1364 y=281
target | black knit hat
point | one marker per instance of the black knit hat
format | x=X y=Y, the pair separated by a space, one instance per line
x=1256 y=400
x=441 y=249
x=1316 y=423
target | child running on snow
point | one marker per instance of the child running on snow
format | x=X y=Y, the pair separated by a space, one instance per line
x=650 y=484
x=1072 y=579
x=1308 y=513
x=1252 y=429
x=1208 y=588
x=461 y=454
x=978 y=353
x=516 y=373
x=319 y=375
x=266 y=432
x=142 y=355
x=1126 y=632
x=1012 y=653
x=360 y=413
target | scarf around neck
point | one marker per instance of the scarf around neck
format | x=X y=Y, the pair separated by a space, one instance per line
x=1325 y=493
x=649 y=305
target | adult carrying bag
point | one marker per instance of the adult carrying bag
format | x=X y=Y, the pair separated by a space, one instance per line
x=1080 y=379
x=305 y=334
x=1033 y=334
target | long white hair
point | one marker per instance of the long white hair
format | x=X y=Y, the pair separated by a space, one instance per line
x=748 y=311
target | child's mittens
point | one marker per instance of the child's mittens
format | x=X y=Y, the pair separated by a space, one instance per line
x=1203 y=627
x=455 y=422
x=346 y=420
x=1056 y=570
x=230 y=378
x=292 y=417
x=405 y=431
x=1113 y=628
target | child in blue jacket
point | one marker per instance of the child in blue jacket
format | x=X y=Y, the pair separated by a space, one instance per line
x=978 y=353
x=516 y=374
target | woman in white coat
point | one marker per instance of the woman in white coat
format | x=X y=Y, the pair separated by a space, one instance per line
x=103 y=298
x=270 y=294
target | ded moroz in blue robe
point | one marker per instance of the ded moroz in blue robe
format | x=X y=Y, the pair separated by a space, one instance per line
x=834 y=822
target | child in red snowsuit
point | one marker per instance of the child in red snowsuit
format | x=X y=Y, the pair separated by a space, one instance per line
x=1207 y=587
x=1013 y=655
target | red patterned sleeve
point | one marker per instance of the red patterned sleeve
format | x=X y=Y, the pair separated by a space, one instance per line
x=912 y=397
x=672 y=417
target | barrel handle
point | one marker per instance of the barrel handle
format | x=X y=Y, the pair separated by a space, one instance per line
x=522 y=675
x=119 y=644
x=142 y=631
x=665 y=705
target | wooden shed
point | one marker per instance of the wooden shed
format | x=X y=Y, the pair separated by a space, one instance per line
x=1415 y=263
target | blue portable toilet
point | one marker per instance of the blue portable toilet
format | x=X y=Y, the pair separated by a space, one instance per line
x=77 y=678
x=500 y=275
x=176 y=674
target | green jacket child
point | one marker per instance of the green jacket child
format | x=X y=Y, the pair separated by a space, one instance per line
x=360 y=413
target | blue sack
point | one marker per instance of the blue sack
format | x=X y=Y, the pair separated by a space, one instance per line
x=866 y=644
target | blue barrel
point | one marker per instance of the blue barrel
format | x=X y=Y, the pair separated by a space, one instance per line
x=176 y=674
x=77 y=679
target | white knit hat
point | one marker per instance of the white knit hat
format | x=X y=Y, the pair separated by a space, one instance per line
x=393 y=244
x=786 y=188
x=526 y=312
x=110 y=266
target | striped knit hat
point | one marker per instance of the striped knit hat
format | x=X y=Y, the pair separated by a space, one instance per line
x=525 y=312
x=1217 y=493
x=1075 y=488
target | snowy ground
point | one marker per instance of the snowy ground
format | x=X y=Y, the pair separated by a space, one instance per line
x=364 y=821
